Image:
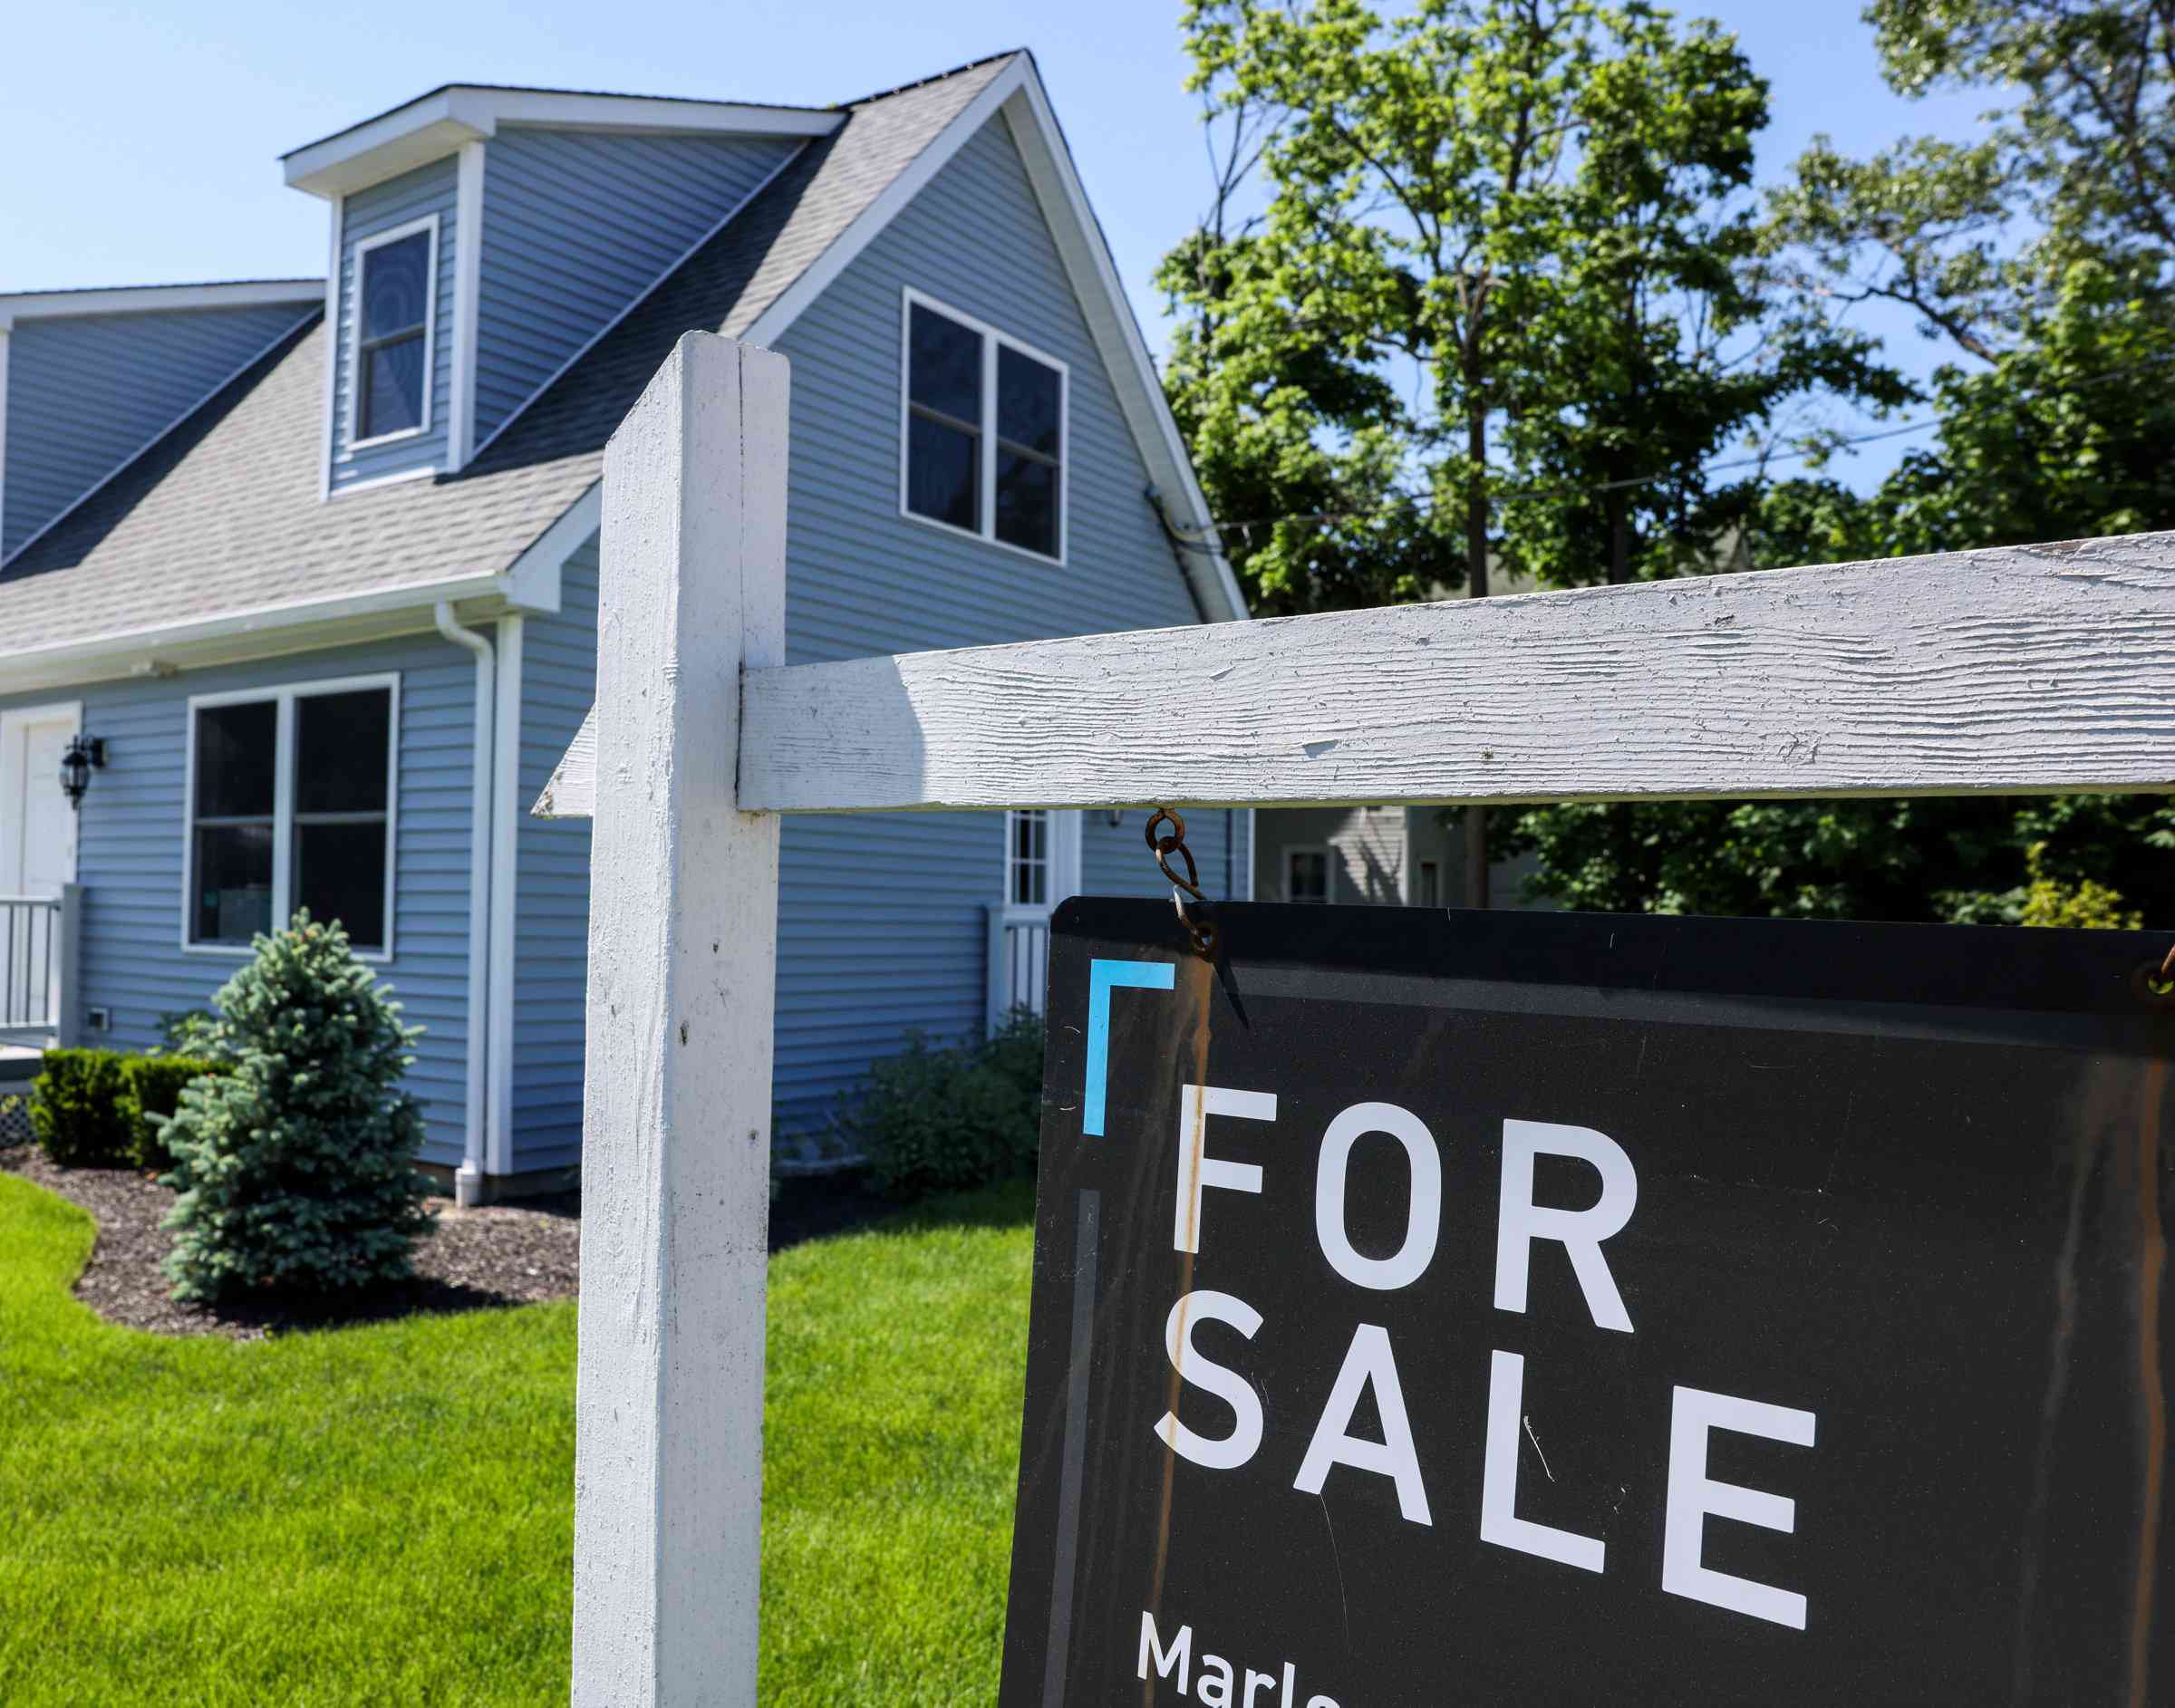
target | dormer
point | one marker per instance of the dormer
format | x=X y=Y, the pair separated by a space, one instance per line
x=88 y=379
x=483 y=237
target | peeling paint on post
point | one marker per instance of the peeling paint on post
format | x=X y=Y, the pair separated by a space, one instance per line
x=683 y=955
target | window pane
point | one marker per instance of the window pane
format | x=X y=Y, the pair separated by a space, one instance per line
x=234 y=882
x=1027 y=503
x=941 y=478
x=1309 y=877
x=1027 y=401
x=392 y=388
x=396 y=286
x=235 y=759
x=944 y=369
x=340 y=875
x=340 y=761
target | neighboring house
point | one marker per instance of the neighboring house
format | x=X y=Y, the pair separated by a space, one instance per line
x=315 y=564
x=1394 y=857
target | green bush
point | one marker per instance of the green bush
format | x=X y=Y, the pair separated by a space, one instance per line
x=297 y=1170
x=152 y=1088
x=940 y=1120
x=75 y=1113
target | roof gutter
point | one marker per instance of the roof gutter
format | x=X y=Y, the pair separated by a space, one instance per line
x=468 y=1182
x=268 y=630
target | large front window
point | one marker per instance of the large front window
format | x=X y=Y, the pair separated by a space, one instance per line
x=393 y=332
x=983 y=447
x=291 y=807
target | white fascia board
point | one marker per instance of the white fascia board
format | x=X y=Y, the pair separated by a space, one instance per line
x=1109 y=312
x=439 y=123
x=565 y=111
x=533 y=579
x=816 y=277
x=137 y=299
x=265 y=631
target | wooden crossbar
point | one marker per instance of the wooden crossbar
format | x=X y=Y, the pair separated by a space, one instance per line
x=2028 y=669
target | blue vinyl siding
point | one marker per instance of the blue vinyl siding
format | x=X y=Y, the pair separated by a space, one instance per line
x=429 y=189
x=551 y=918
x=129 y=845
x=880 y=923
x=881 y=928
x=85 y=393
x=577 y=224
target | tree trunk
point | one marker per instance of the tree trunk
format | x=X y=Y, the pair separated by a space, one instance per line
x=1476 y=587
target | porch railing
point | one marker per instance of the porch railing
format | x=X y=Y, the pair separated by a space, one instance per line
x=1019 y=959
x=40 y=949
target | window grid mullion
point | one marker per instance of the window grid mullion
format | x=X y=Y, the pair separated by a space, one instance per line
x=283 y=814
x=987 y=448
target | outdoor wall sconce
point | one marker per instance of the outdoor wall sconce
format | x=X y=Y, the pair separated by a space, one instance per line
x=85 y=754
x=1114 y=817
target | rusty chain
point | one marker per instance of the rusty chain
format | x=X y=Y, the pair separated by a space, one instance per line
x=1193 y=917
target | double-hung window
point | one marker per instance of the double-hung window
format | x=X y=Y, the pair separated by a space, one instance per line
x=290 y=806
x=982 y=444
x=395 y=279
x=1027 y=858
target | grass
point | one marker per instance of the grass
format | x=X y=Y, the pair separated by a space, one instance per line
x=384 y=1514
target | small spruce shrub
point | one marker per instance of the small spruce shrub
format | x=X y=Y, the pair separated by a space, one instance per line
x=297 y=1170
x=75 y=1112
x=151 y=1087
x=943 y=1120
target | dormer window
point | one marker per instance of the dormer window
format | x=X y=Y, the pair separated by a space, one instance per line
x=982 y=433
x=396 y=272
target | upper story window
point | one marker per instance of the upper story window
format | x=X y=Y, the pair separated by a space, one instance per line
x=982 y=448
x=290 y=805
x=396 y=274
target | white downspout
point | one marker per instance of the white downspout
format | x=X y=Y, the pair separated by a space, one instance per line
x=467 y=1183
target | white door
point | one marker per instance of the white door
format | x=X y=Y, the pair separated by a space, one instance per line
x=37 y=851
x=45 y=851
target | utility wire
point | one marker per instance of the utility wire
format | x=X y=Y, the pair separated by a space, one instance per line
x=1205 y=539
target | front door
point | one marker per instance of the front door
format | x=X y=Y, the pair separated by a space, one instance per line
x=37 y=849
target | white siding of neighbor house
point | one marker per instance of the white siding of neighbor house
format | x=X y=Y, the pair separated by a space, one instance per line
x=129 y=846
x=881 y=928
x=428 y=189
x=1366 y=843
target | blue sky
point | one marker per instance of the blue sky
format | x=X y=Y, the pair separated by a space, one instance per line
x=147 y=135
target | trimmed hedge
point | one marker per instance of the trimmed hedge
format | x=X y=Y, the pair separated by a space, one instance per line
x=943 y=1120
x=151 y=1093
x=75 y=1112
x=102 y=1108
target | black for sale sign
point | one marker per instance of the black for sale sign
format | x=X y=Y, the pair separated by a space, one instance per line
x=1449 y=1308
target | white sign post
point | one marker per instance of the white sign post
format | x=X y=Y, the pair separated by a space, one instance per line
x=676 y=1122
x=2026 y=669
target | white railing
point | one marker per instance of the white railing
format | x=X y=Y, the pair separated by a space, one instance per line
x=2045 y=669
x=1018 y=961
x=39 y=939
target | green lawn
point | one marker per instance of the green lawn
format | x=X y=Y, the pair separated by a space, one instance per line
x=384 y=1514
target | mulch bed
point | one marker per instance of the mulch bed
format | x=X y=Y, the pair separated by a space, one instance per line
x=492 y=1256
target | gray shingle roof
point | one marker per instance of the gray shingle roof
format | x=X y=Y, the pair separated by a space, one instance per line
x=224 y=514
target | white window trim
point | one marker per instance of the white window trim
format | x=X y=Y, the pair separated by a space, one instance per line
x=1329 y=870
x=991 y=337
x=282 y=804
x=1061 y=861
x=352 y=343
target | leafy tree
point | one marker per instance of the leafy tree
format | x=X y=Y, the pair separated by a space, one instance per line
x=1504 y=245
x=296 y=1170
x=2039 y=253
